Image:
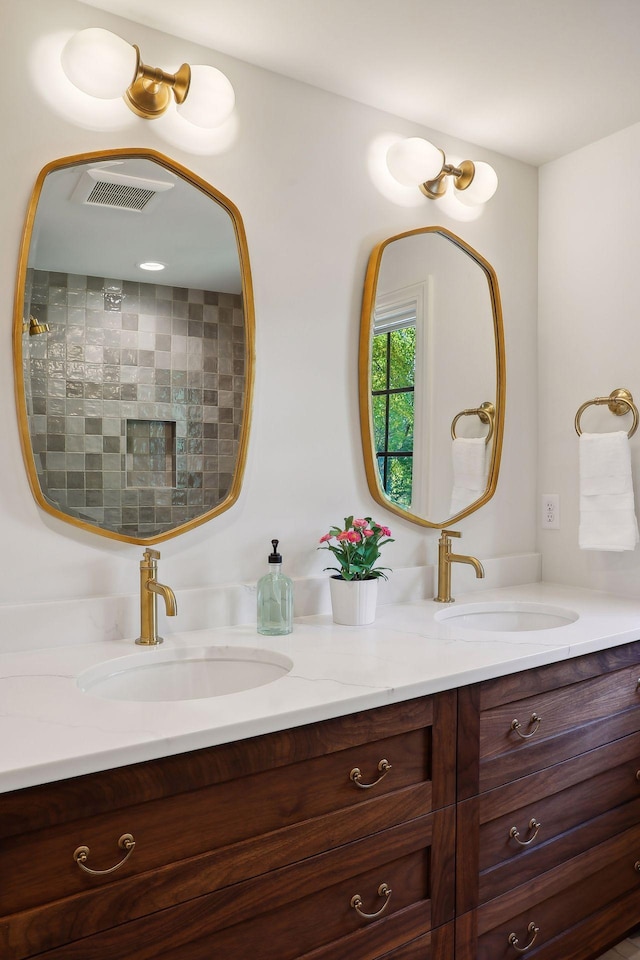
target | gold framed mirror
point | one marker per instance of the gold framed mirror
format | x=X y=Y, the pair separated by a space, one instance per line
x=133 y=343
x=432 y=377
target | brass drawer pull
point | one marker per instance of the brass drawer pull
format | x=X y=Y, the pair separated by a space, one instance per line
x=534 y=825
x=533 y=932
x=535 y=721
x=81 y=855
x=356 y=775
x=638 y=775
x=636 y=866
x=356 y=902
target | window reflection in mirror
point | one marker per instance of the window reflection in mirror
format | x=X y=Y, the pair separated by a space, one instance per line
x=134 y=384
x=431 y=369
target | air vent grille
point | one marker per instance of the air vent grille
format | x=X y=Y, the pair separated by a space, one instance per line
x=119 y=195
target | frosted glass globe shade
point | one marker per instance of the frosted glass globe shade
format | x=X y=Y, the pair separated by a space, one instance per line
x=99 y=63
x=414 y=161
x=482 y=187
x=210 y=100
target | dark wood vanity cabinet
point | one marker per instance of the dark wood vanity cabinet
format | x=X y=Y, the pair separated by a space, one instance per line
x=548 y=825
x=273 y=847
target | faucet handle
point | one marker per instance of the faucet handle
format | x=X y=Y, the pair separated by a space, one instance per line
x=451 y=533
x=150 y=554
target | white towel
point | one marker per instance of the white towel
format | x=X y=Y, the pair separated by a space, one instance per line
x=607 y=511
x=469 y=460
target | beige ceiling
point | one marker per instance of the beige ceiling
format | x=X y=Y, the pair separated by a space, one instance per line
x=533 y=79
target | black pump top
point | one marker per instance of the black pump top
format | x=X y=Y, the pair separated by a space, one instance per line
x=275 y=557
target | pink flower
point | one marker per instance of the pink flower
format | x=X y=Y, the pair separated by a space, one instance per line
x=324 y=539
x=350 y=535
x=386 y=531
x=359 y=523
x=368 y=533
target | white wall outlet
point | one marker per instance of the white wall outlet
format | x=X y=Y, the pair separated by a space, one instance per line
x=550 y=511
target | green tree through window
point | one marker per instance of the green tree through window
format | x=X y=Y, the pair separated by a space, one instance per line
x=393 y=383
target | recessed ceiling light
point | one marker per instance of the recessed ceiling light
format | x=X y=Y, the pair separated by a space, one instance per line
x=152 y=265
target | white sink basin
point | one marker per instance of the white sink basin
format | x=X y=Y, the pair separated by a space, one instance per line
x=507 y=616
x=192 y=673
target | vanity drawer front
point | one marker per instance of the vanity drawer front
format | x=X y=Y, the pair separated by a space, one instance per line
x=559 y=899
x=559 y=798
x=187 y=825
x=298 y=910
x=521 y=736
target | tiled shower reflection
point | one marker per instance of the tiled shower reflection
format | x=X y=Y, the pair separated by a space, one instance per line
x=135 y=398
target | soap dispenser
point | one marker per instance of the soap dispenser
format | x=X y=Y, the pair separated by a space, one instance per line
x=275 y=598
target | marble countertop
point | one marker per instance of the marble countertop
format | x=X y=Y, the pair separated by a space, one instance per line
x=51 y=730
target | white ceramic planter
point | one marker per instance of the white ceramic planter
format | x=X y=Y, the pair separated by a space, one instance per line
x=353 y=601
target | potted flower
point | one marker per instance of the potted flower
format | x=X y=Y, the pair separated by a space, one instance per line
x=354 y=586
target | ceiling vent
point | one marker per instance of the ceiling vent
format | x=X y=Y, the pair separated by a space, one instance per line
x=118 y=191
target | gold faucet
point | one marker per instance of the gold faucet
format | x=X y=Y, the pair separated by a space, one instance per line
x=445 y=559
x=150 y=590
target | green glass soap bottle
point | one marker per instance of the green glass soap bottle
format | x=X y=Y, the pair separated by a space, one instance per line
x=275 y=598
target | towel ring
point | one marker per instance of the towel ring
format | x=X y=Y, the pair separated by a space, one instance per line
x=619 y=402
x=486 y=412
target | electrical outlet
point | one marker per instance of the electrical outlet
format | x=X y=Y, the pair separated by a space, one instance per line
x=550 y=511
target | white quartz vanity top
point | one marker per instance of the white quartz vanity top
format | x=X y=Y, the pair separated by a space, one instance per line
x=51 y=730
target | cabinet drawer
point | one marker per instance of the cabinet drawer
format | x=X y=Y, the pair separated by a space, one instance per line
x=523 y=735
x=542 y=807
x=187 y=825
x=297 y=910
x=559 y=899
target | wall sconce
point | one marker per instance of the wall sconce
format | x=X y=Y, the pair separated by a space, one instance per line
x=418 y=162
x=105 y=66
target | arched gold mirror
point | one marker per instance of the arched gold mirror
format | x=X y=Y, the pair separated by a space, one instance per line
x=431 y=377
x=133 y=345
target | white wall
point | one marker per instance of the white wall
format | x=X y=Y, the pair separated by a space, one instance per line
x=298 y=171
x=589 y=336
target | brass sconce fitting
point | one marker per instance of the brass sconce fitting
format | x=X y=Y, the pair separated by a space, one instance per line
x=150 y=93
x=105 y=66
x=417 y=162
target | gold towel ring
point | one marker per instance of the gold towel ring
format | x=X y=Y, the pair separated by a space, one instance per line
x=486 y=412
x=619 y=402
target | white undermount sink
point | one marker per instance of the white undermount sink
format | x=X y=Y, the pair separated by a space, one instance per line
x=191 y=673
x=507 y=616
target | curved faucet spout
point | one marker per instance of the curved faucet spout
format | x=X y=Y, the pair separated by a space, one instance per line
x=475 y=563
x=167 y=594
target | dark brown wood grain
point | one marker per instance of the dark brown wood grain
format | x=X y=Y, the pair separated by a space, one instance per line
x=231 y=836
x=55 y=803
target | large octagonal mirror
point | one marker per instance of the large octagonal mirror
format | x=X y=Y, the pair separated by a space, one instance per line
x=431 y=377
x=133 y=345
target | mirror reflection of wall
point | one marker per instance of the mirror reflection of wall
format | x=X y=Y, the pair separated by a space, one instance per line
x=135 y=392
x=431 y=325
x=135 y=398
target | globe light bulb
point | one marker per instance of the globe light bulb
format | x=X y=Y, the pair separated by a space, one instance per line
x=482 y=187
x=210 y=99
x=99 y=63
x=414 y=161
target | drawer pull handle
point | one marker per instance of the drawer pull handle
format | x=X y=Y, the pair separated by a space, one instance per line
x=534 y=825
x=356 y=902
x=535 y=721
x=81 y=855
x=636 y=866
x=533 y=932
x=356 y=775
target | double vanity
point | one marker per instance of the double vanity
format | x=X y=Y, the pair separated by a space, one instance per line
x=455 y=781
